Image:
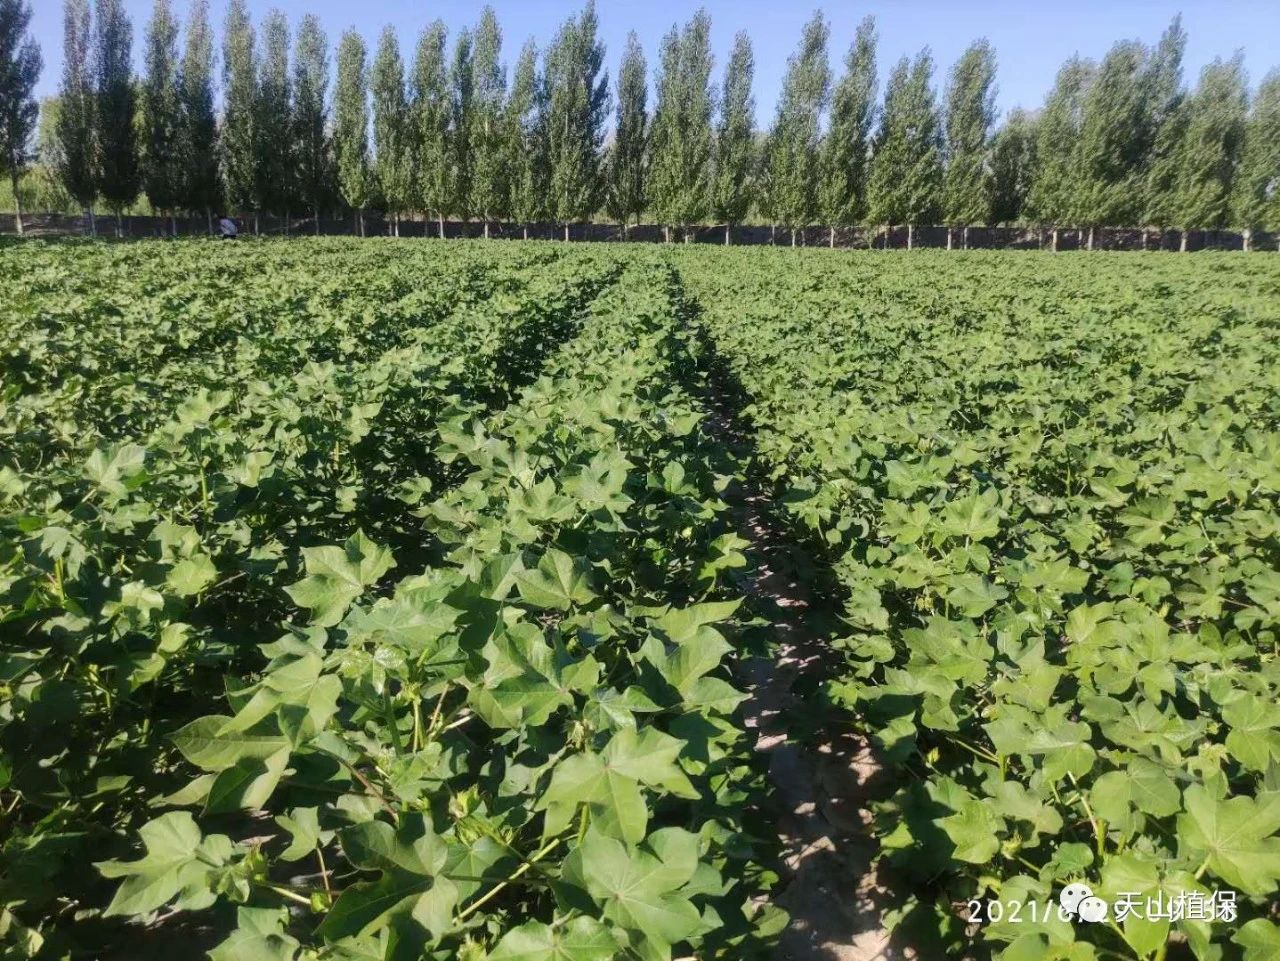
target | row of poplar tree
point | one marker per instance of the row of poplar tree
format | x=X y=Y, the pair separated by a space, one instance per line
x=1119 y=142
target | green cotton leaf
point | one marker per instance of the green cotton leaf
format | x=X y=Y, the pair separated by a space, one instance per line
x=557 y=583
x=1065 y=747
x=367 y=905
x=415 y=626
x=1254 y=738
x=975 y=516
x=191 y=575
x=1260 y=939
x=336 y=576
x=116 y=469
x=649 y=756
x=582 y=939
x=178 y=859
x=636 y=889
x=681 y=624
x=973 y=595
x=1235 y=836
x=694 y=658
x=259 y=936
x=247 y=784
x=203 y=743
x=377 y=846
x=303 y=825
x=615 y=800
x=974 y=830
x=296 y=684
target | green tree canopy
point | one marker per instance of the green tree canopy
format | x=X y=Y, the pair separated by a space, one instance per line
x=1256 y=194
x=432 y=112
x=20 y=65
x=241 y=156
x=680 y=145
x=577 y=107
x=846 y=148
x=198 y=137
x=77 y=160
x=162 y=112
x=488 y=97
x=626 y=173
x=312 y=148
x=906 y=167
x=115 y=126
x=392 y=135
x=351 y=122
x=971 y=109
x=1013 y=163
x=734 y=157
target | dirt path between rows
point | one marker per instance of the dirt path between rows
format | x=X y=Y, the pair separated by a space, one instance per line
x=825 y=780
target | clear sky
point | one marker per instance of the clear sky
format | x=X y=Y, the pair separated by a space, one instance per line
x=1031 y=38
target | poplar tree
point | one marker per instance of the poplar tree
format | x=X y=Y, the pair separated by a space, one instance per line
x=626 y=171
x=576 y=109
x=1210 y=149
x=971 y=112
x=198 y=124
x=1256 y=192
x=432 y=111
x=20 y=65
x=906 y=168
x=791 y=151
x=162 y=114
x=278 y=156
x=1163 y=124
x=734 y=157
x=115 y=130
x=679 y=174
x=392 y=137
x=846 y=148
x=1013 y=163
x=351 y=125
x=241 y=155
x=1052 y=197
x=461 y=124
x=526 y=141
x=488 y=93
x=313 y=152
x=77 y=162
x=1109 y=155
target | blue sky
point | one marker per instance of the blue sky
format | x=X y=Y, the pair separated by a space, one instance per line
x=1031 y=38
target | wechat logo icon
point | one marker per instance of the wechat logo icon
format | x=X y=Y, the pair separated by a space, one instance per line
x=1078 y=901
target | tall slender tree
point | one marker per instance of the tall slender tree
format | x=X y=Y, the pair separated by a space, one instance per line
x=1052 y=197
x=278 y=159
x=162 y=114
x=77 y=158
x=971 y=113
x=791 y=151
x=312 y=148
x=115 y=129
x=626 y=170
x=1163 y=124
x=351 y=125
x=432 y=113
x=488 y=97
x=906 y=168
x=392 y=133
x=526 y=141
x=846 y=148
x=734 y=158
x=198 y=124
x=461 y=126
x=1210 y=149
x=241 y=153
x=1256 y=192
x=680 y=147
x=1109 y=157
x=576 y=110
x=20 y=65
x=1013 y=161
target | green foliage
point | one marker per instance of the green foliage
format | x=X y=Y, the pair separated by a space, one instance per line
x=278 y=149
x=679 y=169
x=1013 y=165
x=970 y=115
x=1049 y=507
x=576 y=109
x=393 y=133
x=241 y=132
x=626 y=197
x=846 y=147
x=525 y=143
x=734 y=157
x=77 y=164
x=310 y=116
x=790 y=162
x=115 y=107
x=432 y=110
x=20 y=65
x=905 y=183
x=198 y=126
x=162 y=112
x=351 y=122
x=1256 y=198
x=489 y=190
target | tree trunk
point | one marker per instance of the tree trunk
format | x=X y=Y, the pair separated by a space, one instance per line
x=1182 y=243
x=208 y=216
x=1246 y=239
x=17 y=203
x=119 y=224
x=832 y=238
x=1053 y=241
x=286 y=222
x=486 y=230
x=566 y=233
x=255 y=223
x=964 y=238
x=726 y=235
x=793 y=236
x=948 y=238
x=397 y=226
x=526 y=231
x=1090 y=243
x=316 y=211
x=93 y=221
x=773 y=234
x=911 y=236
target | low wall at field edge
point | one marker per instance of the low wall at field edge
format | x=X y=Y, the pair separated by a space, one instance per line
x=892 y=238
